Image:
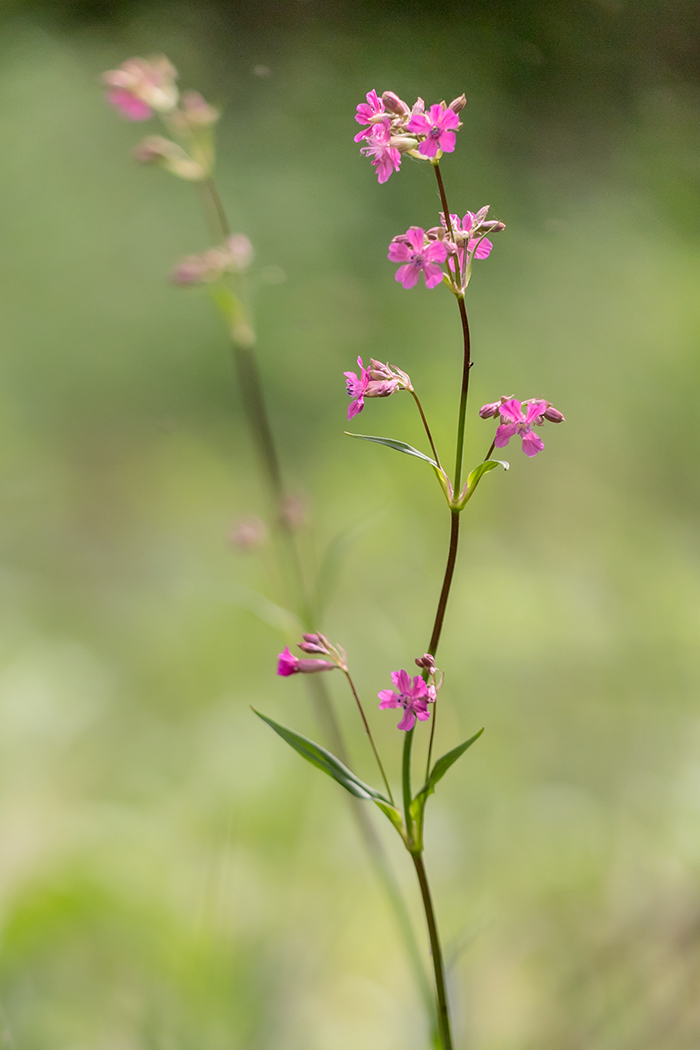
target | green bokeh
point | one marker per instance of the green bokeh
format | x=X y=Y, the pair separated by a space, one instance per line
x=171 y=878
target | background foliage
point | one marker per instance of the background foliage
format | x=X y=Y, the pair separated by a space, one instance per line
x=170 y=877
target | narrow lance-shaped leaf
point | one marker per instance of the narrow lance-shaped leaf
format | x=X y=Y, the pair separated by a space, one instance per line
x=324 y=760
x=417 y=807
x=444 y=763
x=475 y=477
x=394 y=443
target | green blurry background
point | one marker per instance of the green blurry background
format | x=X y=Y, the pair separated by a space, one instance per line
x=171 y=876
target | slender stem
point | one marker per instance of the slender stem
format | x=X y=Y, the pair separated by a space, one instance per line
x=448 y=220
x=436 y=950
x=490 y=451
x=430 y=744
x=369 y=734
x=406 y=779
x=464 y=394
x=427 y=428
x=217 y=204
x=446 y=584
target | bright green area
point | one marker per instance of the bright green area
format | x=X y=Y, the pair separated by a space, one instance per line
x=172 y=876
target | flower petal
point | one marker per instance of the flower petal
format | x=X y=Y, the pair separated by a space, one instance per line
x=388 y=698
x=512 y=410
x=408 y=721
x=408 y=275
x=532 y=444
x=504 y=433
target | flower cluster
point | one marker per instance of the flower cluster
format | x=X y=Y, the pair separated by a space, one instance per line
x=288 y=663
x=518 y=419
x=413 y=696
x=379 y=380
x=392 y=128
x=457 y=243
x=233 y=256
x=142 y=87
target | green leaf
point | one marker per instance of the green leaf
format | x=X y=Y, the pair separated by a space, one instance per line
x=394 y=816
x=417 y=807
x=475 y=477
x=322 y=759
x=400 y=446
x=444 y=763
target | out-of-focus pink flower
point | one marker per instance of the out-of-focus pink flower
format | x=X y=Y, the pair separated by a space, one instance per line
x=521 y=418
x=142 y=85
x=385 y=157
x=233 y=256
x=439 y=126
x=357 y=388
x=248 y=533
x=158 y=150
x=130 y=106
x=419 y=255
x=369 y=112
x=413 y=696
x=288 y=663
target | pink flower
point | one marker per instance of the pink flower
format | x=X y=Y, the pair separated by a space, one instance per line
x=356 y=388
x=367 y=113
x=142 y=85
x=439 y=125
x=385 y=158
x=522 y=418
x=130 y=106
x=288 y=663
x=419 y=255
x=414 y=697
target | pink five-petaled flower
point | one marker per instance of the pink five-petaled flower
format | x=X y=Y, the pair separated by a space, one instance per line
x=367 y=113
x=439 y=125
x=288 y=663
x=522 y=418
x=480 y=246
x=418 y=254
x=414 y=697
x=356 y=388
x=385 y=158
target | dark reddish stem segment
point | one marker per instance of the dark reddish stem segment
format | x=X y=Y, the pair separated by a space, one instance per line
x=446 y=584
x=436 y=951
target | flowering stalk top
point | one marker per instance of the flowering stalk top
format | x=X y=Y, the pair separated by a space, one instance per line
x=413 y=696
x=392 y=128
x=141 y=86
x=518 y=419
x=288 y=663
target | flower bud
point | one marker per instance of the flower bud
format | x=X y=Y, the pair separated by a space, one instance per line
x=418 y=106
x=197 y=111
x=403 y=143
x=493 y=409
x=314 y=643
x=240 y=252
x=458 y=103
x=395 y=105
x=427 y=662
x=553 y=415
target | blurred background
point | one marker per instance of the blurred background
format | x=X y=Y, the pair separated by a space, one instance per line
x=172 y=877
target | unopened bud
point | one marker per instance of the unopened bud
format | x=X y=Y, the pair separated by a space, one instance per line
x=458 y=103
x=288 y=664
x=240 y=252
x=314 y=643
x=488 y=411
x=197 y=110
x=553 y=415
x=395 y=105
x=427 y=662
x=418 y=106
x=403 y=143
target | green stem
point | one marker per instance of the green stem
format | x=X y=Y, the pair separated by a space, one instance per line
x=369 y=734
x=464 y=394
x=427 y=428
x=436 y=950
x=406 y=780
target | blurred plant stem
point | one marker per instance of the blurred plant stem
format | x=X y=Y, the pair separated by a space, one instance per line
x=257 y=416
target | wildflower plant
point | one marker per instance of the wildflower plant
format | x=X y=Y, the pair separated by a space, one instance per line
x=442 y=255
